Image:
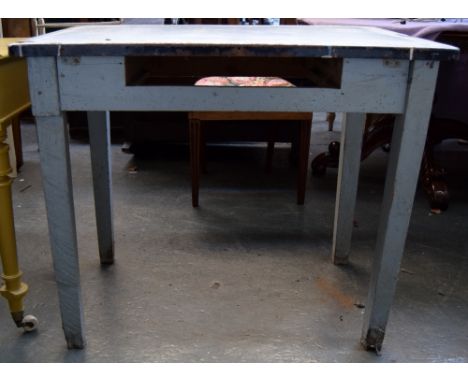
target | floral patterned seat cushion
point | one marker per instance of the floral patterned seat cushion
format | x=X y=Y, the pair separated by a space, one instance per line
x=244 y=81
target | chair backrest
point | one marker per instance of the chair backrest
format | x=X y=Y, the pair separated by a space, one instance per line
x=244 y=21
x=41 y=26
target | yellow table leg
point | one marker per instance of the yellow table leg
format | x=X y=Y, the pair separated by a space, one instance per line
x=12 y=289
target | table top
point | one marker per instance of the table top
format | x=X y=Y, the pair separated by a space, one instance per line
x=452 y=84
x=233 y=40
x=425 y=28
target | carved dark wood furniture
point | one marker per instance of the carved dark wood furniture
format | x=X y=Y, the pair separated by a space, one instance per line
x=449 y=115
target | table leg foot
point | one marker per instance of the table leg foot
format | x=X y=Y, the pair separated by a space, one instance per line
x=341 y=260
x=106 y=258
x=373 y=340
x=75 y=341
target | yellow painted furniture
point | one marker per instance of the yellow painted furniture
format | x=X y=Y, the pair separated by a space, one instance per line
x=14 y=98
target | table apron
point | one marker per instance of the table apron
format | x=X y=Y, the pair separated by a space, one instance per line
x=98 y=83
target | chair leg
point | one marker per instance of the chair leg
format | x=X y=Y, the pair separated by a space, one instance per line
x=195 y=158
x=304 y=145
x=203 y=152
x=270 y=150
x=331 y=120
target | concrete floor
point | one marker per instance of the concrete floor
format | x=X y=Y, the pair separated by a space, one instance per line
x=246 y=277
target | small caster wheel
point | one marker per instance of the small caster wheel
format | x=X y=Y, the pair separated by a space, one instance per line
x=29 y=323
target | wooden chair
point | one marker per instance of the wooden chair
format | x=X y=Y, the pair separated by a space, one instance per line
x=197 y=143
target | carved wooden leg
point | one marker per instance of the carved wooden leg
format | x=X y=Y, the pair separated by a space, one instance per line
x=331 y=120
x=434 y=185
x=432 y=175
x=328 y=159
x=13 y=289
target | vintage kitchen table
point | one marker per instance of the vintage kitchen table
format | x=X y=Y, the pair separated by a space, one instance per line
x=355 y=70
x=14 y=99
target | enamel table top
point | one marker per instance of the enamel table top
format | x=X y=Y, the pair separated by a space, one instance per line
x=233 y=40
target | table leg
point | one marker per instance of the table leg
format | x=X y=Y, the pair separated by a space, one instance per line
x=13 y=289
x=203 y=148
x=58 y=193
x=407 y=147
x=348 y=176
x=99 y=138
x=331 y=120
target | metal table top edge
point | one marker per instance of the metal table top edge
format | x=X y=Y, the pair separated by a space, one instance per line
x=235 y=41
x=97 y=50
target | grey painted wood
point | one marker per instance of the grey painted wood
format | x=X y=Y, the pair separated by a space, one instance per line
x=43 y=86
x=348 y=176
x=58 y=193
x=402 y=176
x=53 y=143
x=98 y=83
x=99 y=138
x=235 y=40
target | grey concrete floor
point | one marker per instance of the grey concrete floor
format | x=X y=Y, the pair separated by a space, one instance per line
x=246 y=277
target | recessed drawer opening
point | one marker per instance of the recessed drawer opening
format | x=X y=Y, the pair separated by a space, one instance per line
x=186 y=71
